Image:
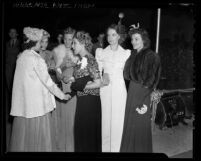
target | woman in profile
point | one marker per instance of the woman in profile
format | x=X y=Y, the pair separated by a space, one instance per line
x=142 y=69
x=33 y=98
x=87 y=125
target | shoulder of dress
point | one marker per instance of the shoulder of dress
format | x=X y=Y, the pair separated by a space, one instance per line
x=99 y=50
x=150 y=53
x=99 y=53
x=128 y=51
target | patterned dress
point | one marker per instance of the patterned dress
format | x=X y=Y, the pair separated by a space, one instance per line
x=87 y=126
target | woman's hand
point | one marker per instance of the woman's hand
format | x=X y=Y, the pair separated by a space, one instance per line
x=105 y=80
x=103 y=84
x=68 y=80
x=67 y=97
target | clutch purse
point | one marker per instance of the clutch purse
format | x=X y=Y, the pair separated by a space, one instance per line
x=105 y=78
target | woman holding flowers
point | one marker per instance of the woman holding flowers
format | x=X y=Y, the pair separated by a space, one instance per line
x=64 y=115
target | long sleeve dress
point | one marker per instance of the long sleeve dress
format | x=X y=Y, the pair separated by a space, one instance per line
x=32 y=103
x=143 y=71
x=87 y=125
x=113 y=96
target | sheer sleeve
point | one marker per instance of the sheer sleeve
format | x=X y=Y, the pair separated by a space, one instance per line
x=99 y=59
x=93 y=68
x=42 y=73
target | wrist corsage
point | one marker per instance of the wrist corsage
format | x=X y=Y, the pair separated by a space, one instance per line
x=142 y=110
x=156 y=96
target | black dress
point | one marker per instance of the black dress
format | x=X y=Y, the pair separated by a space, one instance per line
x=143 y=71
x=87 y=125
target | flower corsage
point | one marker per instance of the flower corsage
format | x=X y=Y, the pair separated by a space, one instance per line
x=83 y=63
x=156 y=95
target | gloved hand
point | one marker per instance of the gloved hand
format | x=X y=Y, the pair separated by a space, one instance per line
x=80 y=83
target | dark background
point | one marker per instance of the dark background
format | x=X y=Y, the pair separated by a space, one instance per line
x=176 y=28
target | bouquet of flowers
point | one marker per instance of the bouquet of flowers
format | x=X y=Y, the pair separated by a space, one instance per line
x=156 y=95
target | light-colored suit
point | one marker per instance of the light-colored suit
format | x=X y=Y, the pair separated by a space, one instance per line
x=33 y=89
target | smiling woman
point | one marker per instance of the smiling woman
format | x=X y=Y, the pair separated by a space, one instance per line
x=87 y=126
x=142 y=69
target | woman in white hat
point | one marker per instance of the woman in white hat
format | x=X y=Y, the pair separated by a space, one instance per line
x=32 y=98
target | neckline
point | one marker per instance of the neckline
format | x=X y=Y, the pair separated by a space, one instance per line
x=34 y=52
x=114 y=50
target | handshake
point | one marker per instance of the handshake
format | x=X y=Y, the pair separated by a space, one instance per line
x=67 y=97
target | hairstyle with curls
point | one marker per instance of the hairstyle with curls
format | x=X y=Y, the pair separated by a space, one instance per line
x=69 y=30
x=144 y=34
x=28 y=45
x=84 y=38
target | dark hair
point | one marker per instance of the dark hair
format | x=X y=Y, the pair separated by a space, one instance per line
x=121 y=31
x=69 y=30
x=115 y=27
x=144 y=34
x=84 y=38
x=28 y=45
x=13 y=29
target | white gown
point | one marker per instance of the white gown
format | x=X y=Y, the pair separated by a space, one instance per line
x=113 y=96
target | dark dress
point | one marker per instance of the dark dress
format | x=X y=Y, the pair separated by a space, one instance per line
x=143 y=71
x=87 y=125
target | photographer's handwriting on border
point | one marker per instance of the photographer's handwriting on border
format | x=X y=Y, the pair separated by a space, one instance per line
x=51 y=5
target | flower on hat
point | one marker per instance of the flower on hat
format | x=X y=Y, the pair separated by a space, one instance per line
x=33 y=34
x=134 y=26
x=45 y=34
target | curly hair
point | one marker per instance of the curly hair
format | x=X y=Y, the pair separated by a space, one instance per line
x=69 y=30
x=28 y=45
x=144 y=34
x=84 y=38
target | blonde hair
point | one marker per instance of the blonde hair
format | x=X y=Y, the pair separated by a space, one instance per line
x=84 y=38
